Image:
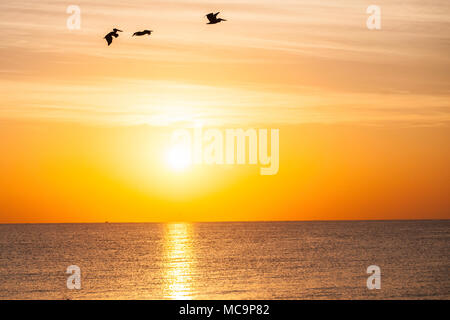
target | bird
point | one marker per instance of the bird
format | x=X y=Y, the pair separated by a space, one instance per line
x=143 y=33
x=212 y=17
x=109 y=36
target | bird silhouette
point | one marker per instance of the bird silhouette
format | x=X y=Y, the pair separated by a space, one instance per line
x=143 y=33
x=109 y=36
x=212 y=17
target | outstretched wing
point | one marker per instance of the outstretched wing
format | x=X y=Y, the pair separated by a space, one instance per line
x=211 y=17
x=109 y=38
x=216 y=14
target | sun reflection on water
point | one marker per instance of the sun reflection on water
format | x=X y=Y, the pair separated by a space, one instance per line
x=179 y=261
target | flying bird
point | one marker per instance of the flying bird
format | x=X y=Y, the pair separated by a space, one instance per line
x=109 y=36
x=143 y=33
x=212 y=17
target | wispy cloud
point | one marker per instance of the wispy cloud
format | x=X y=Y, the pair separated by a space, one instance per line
x=254 y=68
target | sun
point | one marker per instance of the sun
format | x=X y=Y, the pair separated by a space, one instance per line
x=179 y=157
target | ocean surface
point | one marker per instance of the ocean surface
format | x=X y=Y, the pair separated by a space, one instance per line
x=265 y=260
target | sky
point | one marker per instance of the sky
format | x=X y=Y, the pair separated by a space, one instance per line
x=363 y=114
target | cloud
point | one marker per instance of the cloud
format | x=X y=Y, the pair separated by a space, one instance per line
x=285 y=61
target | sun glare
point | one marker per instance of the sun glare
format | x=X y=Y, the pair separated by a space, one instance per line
x=179 y=157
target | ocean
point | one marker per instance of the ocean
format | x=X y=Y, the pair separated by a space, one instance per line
x=253 y=260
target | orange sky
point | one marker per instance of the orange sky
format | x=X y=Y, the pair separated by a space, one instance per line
x=363 y=115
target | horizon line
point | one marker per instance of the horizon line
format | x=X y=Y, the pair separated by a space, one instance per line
x=229 y=221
